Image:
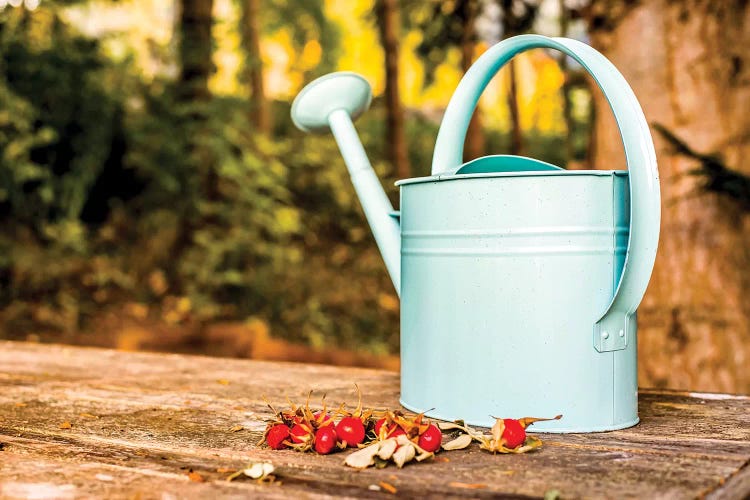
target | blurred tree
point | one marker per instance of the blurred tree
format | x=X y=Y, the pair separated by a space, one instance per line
x=62 y=122
x=564 y=21
x=447 y=25
x=517 y=18
x=195 y=48
x=691 y=72
x=467 y=11
x=310 y=30
x=260 y=113
x=389 y=23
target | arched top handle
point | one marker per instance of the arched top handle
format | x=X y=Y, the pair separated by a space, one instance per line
x=611 y=330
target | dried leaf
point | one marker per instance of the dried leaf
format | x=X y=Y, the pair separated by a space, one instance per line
x=236 y=428
x=552 y=495
x=66 y=425
x=258 y=470
x=195 y=477
x=262 y=471
x=88 y=415
x=402 y=440
x=403 y=455
x=363 y=458
x=388 y=487
x=223 y=381
x=498 y=429
x=467 y=486
x=387 y=448
x=489 y=444
x=527 y=421
x=447 y=426
x=531 y=443
x=459 y=443
x=20 y=405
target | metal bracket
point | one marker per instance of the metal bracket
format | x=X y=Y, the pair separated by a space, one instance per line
x=612 y=335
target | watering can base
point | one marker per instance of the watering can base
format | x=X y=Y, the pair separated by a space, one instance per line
x=539 y=427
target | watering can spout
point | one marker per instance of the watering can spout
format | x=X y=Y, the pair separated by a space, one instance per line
x=332 y=102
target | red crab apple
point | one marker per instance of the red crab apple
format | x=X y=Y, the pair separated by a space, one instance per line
x=431 y=439
x=351 y=430
x=325 y=439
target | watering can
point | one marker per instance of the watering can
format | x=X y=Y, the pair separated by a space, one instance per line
x=519 y=281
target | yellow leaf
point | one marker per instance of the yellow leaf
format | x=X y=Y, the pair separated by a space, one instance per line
x=388 y=302
x=468 y=486
x=195 y=477
x=388 y=487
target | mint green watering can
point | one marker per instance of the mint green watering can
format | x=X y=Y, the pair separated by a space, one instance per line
x=519 y=281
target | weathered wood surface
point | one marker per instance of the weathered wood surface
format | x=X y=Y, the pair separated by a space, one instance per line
x=140 y=421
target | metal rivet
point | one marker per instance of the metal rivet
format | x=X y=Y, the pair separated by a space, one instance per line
x=605 y=335
x=622 y=333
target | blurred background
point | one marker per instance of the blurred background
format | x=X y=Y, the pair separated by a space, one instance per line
x=155 y=195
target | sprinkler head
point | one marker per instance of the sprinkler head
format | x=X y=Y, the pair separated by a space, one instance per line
x=343 y=90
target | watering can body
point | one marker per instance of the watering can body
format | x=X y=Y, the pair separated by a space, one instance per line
x=519 y=281
x=500 y=289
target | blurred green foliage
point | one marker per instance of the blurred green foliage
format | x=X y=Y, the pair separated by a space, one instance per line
x=113 y=191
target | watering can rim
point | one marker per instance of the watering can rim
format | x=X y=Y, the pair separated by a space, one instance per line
x=542 y=173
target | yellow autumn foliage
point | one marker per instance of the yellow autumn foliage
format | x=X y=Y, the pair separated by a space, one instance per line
x=145 y=23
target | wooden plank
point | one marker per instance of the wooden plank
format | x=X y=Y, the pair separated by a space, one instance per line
x=140 y=421
x=737 y=486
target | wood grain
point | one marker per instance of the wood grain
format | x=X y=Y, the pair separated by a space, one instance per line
x=140 y=422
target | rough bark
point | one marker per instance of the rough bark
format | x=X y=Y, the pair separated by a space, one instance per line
x=195 y=49
x=687 y=62
x=388 y=20
x=260 y=115
x=474 y=146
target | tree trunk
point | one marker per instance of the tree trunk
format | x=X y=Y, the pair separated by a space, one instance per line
x=687 y=62
x=195 y=48
x=591 y=149
x=514 y=24
x=474 y=147
x=563 y=61
x=388 y=27
x=516 y=134
x=259 y=113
